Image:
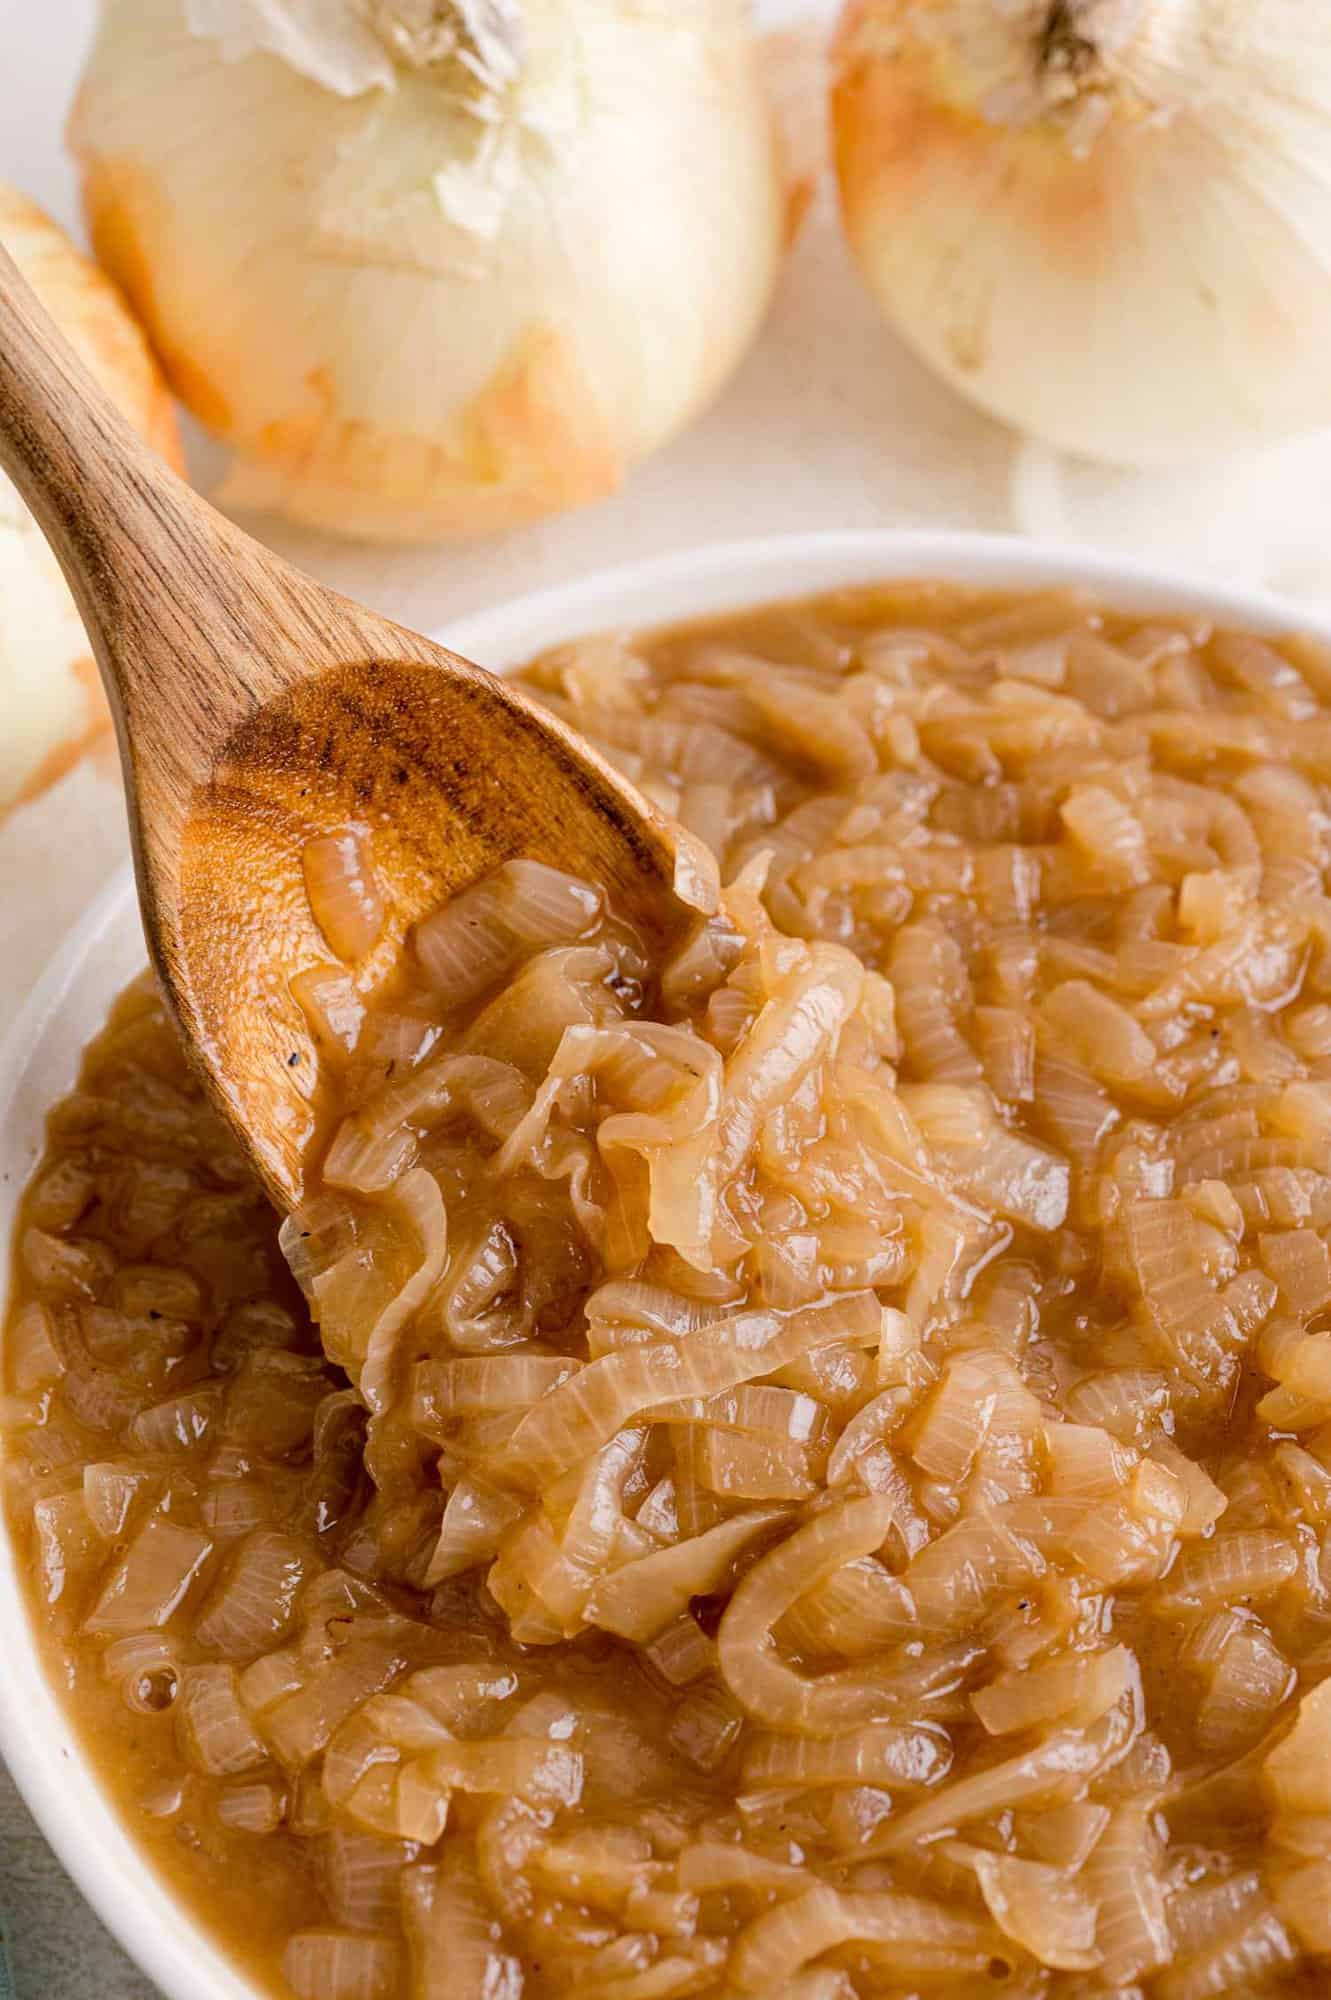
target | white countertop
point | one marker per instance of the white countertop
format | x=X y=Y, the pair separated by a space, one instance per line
x=830 y=424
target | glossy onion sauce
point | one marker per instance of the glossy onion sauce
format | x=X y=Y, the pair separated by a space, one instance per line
x=797 y=1468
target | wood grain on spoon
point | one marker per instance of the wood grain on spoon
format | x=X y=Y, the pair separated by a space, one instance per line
x=256 y=710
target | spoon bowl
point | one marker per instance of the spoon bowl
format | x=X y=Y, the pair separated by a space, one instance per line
x=257 y=711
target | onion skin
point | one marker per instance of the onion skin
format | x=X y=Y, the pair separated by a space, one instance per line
x=51 y=703
x=1134 y=264
x=384 y=371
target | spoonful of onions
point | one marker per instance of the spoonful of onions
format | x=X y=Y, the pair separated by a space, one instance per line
x=268 y=727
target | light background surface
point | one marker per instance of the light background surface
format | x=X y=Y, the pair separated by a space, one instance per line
x=829 y=424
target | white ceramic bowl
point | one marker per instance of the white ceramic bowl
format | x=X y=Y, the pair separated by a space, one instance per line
x=105 y=949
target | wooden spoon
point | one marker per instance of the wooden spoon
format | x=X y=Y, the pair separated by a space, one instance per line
x=257 y=710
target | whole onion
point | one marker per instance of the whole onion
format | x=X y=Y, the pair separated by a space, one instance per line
x=1107 y=222
x=435 y=267
x=51 y=705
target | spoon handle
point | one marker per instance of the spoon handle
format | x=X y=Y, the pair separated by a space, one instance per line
x=173 y=596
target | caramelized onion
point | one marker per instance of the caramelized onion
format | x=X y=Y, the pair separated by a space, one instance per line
x=816 y=1480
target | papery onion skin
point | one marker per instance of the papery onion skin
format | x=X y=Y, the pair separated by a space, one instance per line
x=1106 y=224
x=399 y=343
x=51 y=706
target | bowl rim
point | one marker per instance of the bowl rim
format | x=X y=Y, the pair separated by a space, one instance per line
x=38 y=1744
